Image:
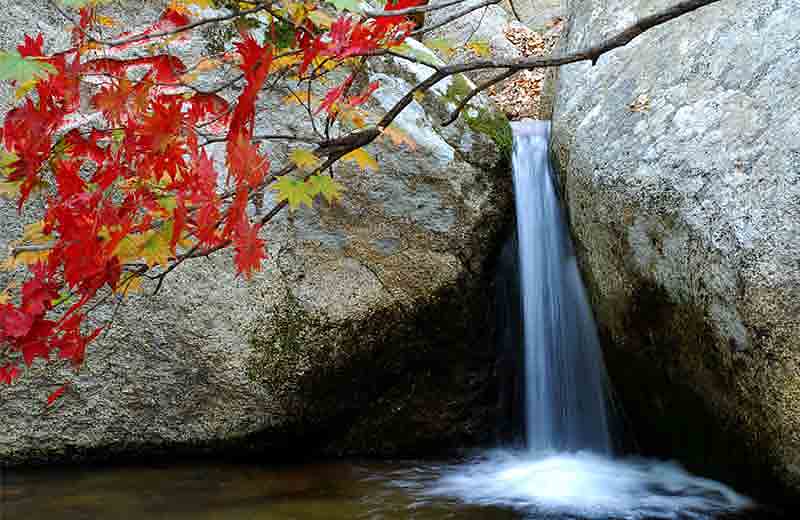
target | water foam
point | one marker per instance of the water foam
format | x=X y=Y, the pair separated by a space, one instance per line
x=587 y=485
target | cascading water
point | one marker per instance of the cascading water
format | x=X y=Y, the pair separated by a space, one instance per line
x=568 y=468
x=566 y=389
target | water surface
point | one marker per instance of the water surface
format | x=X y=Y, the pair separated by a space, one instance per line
x=494 y=486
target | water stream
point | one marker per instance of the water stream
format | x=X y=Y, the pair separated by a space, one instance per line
x=568 y=468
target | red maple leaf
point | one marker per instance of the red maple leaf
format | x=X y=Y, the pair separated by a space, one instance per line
x=14 y=322
x=333 y=95
x=361 y=98
x=245 y=162
x=113 y=99
x=37 y=296
x=249 y=249
x=8 y=374
x=32 y=48
x=67 y=174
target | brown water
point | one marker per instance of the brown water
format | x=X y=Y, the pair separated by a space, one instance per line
x=330 y=491
x=325 y=491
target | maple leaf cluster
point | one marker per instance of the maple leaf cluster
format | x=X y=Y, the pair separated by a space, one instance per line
x=129 y=189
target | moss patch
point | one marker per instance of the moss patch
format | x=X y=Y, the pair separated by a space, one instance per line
x=493 y=124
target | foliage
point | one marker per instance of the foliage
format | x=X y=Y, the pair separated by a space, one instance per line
x=136 y=192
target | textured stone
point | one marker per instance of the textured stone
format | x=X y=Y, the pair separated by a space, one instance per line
x=365 y=333
x=687 y=215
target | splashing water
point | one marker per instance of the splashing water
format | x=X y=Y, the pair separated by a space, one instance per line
x=568 y=468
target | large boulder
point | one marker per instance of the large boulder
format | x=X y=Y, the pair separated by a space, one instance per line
x=364 y=334
x=680 y=161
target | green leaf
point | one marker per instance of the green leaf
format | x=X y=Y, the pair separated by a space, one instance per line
x=443 y=45
x=15 y=67
x=354 y=6
x=327 y=187
x=294 y=192
x=281 y=34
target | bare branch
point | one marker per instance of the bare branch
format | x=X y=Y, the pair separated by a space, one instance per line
x=412 y=10
x=453 y=17
x=36 y=248
x=514 y=10
x=178 y=30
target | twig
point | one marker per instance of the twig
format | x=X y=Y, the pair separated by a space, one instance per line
x=514 y=11
x=453 y=17
x=178 y=30
x=412 y=10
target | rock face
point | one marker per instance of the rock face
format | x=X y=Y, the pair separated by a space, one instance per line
x=365 y=333
x=680 y=162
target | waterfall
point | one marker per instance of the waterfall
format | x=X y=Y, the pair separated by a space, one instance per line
x=565 y=398
x=567 y=469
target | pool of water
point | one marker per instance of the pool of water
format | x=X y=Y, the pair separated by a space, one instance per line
x=494 y=486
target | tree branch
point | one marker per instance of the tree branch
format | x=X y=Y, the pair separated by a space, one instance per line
x=453 y=17
x=412 y=10
x=178 y=30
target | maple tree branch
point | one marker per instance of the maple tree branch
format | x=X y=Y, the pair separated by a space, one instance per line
x=34 y=248
x=411 y=10
x=514 y=11
x=179 y=30
x=594 y=52
x=453 y=17
x=268 y=137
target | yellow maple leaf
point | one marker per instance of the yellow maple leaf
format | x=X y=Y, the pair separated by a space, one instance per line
x=356 y=116
x=105 y=20
x=34 y=233
x=131 y=284
x=10 y=190
x=304 y=159
x=24 y=258
x=364 y=160
x=320 y=19
x=284 y=62
x=479 y=47
x=298 y=98
x=184 y=6
x=154 y=247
